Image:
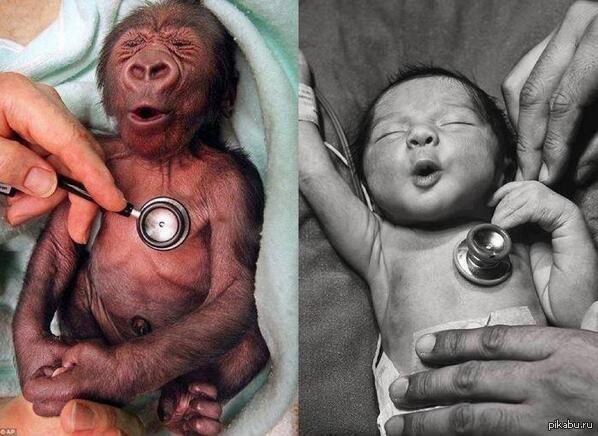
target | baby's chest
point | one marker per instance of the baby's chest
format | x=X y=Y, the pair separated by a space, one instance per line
x=118 y=244
x=426 y=288
x=132 y=279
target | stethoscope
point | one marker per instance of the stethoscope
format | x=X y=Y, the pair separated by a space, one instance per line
x=481 y=258
x=163 y=223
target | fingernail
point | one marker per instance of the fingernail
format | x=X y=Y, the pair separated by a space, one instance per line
x=394 y=426
x=543 y=173
x=122 y=196
x=398 y=389
x=40 y=181
x=78 y=239
x=204 y=390
x=82 y=238
x=425 y=344
x=83 y=417
x=58 y=371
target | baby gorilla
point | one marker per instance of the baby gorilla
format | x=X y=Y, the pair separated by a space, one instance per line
x=134 y=319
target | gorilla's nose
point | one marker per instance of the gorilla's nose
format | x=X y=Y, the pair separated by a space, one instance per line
x=151 y=67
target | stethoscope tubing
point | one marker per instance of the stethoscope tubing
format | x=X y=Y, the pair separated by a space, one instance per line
x=73 y=187
x=175 y=207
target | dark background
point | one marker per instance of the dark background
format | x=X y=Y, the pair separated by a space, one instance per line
x=353 y=47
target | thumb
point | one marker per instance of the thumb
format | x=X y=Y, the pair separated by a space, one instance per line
x=81 y=415
x=25 y=170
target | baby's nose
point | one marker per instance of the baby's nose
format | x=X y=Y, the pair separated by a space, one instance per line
x=421 y=135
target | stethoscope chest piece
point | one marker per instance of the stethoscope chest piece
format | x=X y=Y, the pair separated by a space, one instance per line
x=483 y=256
x=163 y=223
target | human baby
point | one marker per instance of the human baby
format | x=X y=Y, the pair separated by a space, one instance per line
x=436 y=157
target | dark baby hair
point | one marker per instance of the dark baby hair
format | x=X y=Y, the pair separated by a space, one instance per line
x=485 y=105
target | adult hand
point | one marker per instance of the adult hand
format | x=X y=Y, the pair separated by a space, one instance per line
x=547 y=90
x=81 y=417
x=500 y=380
x=38 y=135
x=78 y=417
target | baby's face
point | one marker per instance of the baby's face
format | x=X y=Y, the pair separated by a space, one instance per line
x=430 y=156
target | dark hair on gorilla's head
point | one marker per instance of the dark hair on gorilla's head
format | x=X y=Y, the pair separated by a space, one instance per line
x=194 y=14
x=485 y=104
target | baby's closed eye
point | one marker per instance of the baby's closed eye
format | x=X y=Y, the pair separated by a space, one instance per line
x=456 y=122
x=394 y=132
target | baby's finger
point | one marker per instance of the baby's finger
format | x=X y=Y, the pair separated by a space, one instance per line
x=209 y=409
x=205 y=389
x=48 y=408
x=61 y=388
x=504 y=190
x=511 y=211
x=203 y=426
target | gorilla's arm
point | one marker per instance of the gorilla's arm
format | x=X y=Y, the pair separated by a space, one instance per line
x=52 y=267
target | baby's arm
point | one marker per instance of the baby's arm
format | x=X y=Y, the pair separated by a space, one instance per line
x=565 y=271
x=351 y=228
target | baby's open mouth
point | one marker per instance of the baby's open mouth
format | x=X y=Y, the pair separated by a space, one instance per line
x=426 y=173
x=147 y=114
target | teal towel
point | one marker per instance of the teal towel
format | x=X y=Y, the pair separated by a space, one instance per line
x=266 y=33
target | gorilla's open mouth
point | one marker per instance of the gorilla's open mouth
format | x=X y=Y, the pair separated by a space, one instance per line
x=146 y=114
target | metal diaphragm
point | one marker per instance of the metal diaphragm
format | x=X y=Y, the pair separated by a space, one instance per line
x=483 y=256
x=163 y=223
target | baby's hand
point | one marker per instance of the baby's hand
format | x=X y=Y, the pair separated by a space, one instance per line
x=39 y=356
x=533 y=202
x=89 y=370
x=190 y=408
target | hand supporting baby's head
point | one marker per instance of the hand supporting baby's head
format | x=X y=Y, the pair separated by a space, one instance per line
x=433 y=147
